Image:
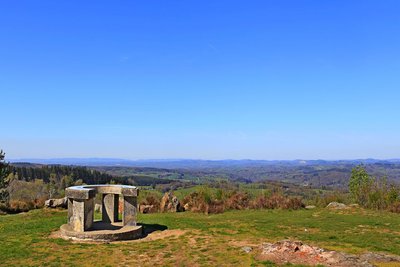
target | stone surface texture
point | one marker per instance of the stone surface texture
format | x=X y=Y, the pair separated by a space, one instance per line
x=130 y=211
x=310 y=207
x=81 y=207
x=103 y=232
x=337 y=205
x=56 y=203
x=170 y=203
x=82 y=216
x=296 y=252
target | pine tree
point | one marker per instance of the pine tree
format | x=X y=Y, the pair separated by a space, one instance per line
x=4 y=172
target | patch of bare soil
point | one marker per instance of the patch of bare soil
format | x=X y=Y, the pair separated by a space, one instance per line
x=163 y=234
x=296 y=252
x=55 y=234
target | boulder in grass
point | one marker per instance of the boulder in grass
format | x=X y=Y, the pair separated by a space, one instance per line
x=56 y=203
x=310 y=207
x=247 y=249
x=336 y=206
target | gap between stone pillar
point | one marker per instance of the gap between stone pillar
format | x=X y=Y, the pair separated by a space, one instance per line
x=110 y=208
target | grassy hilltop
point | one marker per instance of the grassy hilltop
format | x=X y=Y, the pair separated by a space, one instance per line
x=193 y=239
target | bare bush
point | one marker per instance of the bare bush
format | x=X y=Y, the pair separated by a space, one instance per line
x=207 y=202
x=395 y=207
x=238 y=201
x=27 y=195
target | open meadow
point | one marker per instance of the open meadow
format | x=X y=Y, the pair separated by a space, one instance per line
x=194 y=239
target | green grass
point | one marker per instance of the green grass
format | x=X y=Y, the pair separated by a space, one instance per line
x=204 y=240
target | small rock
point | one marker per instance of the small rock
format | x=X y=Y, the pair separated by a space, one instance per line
x=247 y=249
x=48 y=203
x=337 y=205
x=310 y=207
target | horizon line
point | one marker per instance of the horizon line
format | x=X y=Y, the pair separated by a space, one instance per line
x=198 y=159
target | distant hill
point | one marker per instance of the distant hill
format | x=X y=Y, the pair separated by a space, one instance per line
x=315 y=173
x=194 y=163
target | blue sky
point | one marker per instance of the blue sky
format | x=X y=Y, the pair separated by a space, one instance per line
x=200 y=79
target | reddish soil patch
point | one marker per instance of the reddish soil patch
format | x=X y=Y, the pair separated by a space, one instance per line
x=296 y=252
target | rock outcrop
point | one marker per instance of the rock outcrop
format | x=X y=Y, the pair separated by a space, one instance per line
x=296 y=252
x=170 y=203
x=56 y=203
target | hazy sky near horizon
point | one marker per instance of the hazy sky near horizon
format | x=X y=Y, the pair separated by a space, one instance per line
x=200 y=79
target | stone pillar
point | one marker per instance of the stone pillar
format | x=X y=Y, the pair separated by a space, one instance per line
x=70 y=210
x=89 y=214
x=130 y=209
x=110 y=208
x=82 y=214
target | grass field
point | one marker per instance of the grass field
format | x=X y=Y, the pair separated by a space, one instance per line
x=190 y=239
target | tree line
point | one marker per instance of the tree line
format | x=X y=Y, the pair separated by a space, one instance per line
x=52 y=173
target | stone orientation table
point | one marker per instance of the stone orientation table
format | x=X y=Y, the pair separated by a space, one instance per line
x=81 y=224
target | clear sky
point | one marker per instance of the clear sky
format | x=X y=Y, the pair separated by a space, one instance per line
x=200 y=79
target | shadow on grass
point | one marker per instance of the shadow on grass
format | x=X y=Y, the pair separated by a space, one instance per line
x=150 y=228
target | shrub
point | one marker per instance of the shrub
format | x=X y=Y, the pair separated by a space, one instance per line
x=359 y=184
x=277 y=201
x=197 y=202
x=324 y=200
x=395 y=207
x=20 y=206
x=371 y=192
x=294 y=203
x=3 y=208
x=259 y=202
x=206 y=202
x=152 y=199
x=25 y=195
x=216 y=206
x=238 y=201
